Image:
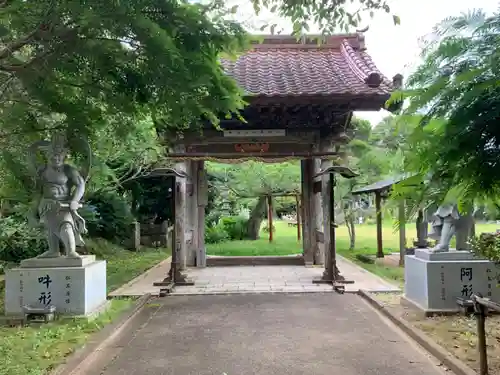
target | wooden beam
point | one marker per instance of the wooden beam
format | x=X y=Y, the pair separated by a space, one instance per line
x=238 y=155
x=378 y=207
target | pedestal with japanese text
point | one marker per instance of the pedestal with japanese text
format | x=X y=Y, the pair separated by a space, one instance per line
x=76 y=287
x=434 y=281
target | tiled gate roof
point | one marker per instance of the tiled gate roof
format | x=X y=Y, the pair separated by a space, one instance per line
x=283 y=66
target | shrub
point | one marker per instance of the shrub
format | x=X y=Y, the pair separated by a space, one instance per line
x=365 y=258
x=265 y=229
x=19 y=241
x=109 y=216
x=235 y=227
x=215 y=234
x=487 y=245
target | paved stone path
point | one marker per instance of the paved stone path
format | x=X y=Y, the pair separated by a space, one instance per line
x=256 y=279
x=278 y=334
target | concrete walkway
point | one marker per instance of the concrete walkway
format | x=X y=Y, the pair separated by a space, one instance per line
x=256 y=279
x=280 y=334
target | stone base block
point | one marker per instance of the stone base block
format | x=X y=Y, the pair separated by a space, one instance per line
x=74 y=291
x=434 y=281
x=62 y=261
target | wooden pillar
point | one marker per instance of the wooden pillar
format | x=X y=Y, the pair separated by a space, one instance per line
x=180 y=216
x=327 y=216
x=312 y=210
x=191 y=213
x=329 y=229
x=201 y=254
x=299 y=216
x=378 y=207
x=270 y=217
x=175 y=277
x=307 y=232
x=319 y=248
x=402 y=233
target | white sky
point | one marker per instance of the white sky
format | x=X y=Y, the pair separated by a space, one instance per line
x=393 y=48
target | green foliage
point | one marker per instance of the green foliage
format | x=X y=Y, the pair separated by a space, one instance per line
x=112 y=218
x=253 y=179
x=329 y=16
x=235 y=227
x=365 y=258
x=117 y=73
x=456 y=87
x=107 y=62
x=487 y=245
x=151 y=198
x=360 y=129
x=215 y=234
x=285 y=206
x=19 y=241
x=265 y=229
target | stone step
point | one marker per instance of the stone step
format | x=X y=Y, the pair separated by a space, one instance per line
x=226 y=261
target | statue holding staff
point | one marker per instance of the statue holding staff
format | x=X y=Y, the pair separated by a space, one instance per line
x=60 y=187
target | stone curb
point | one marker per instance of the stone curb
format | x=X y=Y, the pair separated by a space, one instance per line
x=447 y=359
x=243 y=292
x=100 y=340
x=117 y=291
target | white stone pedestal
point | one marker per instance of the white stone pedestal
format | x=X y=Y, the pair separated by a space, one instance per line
x=434 y=281
x=75 y=290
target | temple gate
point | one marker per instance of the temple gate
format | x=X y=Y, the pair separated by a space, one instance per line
x=301 y=97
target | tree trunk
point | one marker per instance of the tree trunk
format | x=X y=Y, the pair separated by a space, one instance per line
x=349 y=223
x=352 y=243
x=255 y=220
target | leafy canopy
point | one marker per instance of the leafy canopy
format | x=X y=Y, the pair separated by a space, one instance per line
x=330 y=16
x=253 y=179
x=89 y=65
x=456 y=87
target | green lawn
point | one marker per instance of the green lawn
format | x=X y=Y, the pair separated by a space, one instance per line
x=35 y=350
x=285 y=243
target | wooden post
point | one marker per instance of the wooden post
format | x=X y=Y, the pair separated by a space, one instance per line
x=378 y=207
x=191 y=220
x=270 y=217
x=402 y=233
x=175 y=277
x=330 y=252
x=306 y=212
x=299 y=216
x=481 y=342
x=201 y=255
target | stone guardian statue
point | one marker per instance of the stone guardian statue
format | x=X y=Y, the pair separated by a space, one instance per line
x=447 y=222
x=444 y=226
x=60 y=188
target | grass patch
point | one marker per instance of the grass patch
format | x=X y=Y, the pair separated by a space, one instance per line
x=124 y=265
x=285 y=243
x=36 y=350
x=282 y=245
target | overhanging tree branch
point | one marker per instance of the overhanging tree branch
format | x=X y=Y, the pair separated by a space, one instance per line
x=16 y=45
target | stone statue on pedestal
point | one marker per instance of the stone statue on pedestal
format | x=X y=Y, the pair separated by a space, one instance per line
x=60 y=187
x=447 y=222
x=444 y=226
